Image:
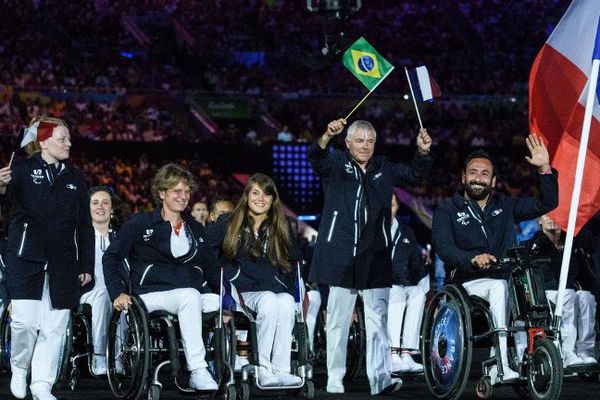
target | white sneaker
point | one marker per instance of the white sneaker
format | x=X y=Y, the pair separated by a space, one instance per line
x=398 y=364
x=509 y=374
x=571 y=359
x=410 y=364
x=201 y=379
x=266 y=377
x=18 y=383
x=335 y=387
x=41 y=391
x=394 y=386
x=287 y=379
x=588 y=360
x=99 y=365
x=240 y=361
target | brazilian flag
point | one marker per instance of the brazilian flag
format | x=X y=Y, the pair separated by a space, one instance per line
x=366 y=64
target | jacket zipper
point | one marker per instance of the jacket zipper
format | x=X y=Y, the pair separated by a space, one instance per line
x=335 y=213
x=23 y=238
x=76 y=245
x=144 y=274
x=384 y=232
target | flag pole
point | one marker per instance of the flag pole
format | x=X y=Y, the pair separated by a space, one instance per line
x=368 y=94
x=221 y=295
x=585 y=134
x=412 y=94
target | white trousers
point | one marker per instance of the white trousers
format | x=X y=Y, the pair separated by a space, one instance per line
x=101 y=311
x=586 y=320
x=568 y=329
x=409 y=301
x=339 y=318
x=495 y=292
x=275 y=316
x=314 y=305
x=38 y=333
x=188 y=304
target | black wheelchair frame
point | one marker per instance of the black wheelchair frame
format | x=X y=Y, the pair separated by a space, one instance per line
x=455 y=321
x=148 y=342
x=299 y=358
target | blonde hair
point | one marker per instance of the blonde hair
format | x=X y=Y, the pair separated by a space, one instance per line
x=169 y=176
x=34 y=147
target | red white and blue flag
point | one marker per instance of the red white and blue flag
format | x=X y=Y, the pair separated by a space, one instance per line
x=424 y=87
x=557 y=95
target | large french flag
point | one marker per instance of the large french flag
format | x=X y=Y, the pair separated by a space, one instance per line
x=557 y=94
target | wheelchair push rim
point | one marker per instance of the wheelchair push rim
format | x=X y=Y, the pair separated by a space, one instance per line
x=131 y=346
x=446 y=347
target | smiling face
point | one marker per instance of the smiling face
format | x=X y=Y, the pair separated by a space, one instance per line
x=57 y=147
x=478 y=178
x=259 y=202
x=361 y=145
x=176 y=198
x=100 y=208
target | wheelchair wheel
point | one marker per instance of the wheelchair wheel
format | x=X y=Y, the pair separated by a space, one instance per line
x=308 y=390
x=5 y=340
x=64 y=366
x=243 y=391
x=357 y=343
x=154 y=392
x=128 y=342
x=545 y=373
x=446 y=346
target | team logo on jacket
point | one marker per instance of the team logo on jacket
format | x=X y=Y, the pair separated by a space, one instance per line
x=37 y=176
x=496 y=212
x=148 y=234
x=463 y=218
x=349 y=168
x=71 y=186
x=405 y=240
x=377 y=175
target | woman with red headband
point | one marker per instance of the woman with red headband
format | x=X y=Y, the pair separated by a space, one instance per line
x=50 y=252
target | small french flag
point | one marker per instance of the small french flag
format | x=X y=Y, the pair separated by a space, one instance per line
x=424 y=87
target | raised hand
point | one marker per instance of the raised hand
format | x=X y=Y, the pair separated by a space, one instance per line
x=335 y=127
x=539 y=153
x=423 y=141
x=5 y=176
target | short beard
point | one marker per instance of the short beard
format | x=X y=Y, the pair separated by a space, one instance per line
x=473 y=195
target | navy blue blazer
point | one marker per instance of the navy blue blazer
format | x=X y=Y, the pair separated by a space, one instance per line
x=140 y=257
x=461 y=229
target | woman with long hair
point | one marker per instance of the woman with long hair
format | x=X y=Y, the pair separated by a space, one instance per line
x=49 y=252
x=172 y=268
x=107 y=212
x=257 y=245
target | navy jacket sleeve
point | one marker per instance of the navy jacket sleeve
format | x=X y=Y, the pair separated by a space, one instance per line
x=416 y=263
x=533 y=207
x=86 y=232
x=410 y=173
x=322 y=160
x=113 y=262
x=215 y=234
x=444 y=241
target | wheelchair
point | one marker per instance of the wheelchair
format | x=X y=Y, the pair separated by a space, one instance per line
x=78 y=350
x=142 y=344
x=245 y=320
x=5 y=340
x=455 y=322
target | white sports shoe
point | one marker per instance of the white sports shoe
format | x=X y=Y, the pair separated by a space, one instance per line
x=18 y=383
x=397 y=363
x=266 y=377
x=570 y=359
x=287 y=379
x=201 y=379
x=410 y=364
x=41 y=391
x=240 y=361
x=509 y=374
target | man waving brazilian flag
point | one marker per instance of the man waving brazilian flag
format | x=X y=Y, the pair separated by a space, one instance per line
x=366 y=64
